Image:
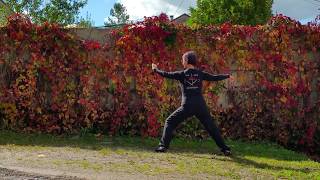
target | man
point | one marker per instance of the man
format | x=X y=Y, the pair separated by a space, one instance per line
x=192 y=103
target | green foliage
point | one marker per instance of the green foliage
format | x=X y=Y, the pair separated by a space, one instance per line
x=63 y=12
x=244 y=12
x=86 y=22
x=4 y=13
x=118 y=15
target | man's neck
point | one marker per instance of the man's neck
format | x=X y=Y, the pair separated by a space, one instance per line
x=190 y=67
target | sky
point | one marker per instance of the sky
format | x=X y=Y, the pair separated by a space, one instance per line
x=302 y=10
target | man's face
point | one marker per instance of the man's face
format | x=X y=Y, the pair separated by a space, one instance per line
x=184 y=62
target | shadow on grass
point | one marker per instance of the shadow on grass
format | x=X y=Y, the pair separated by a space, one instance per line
x=259 y=165
x=239 y=159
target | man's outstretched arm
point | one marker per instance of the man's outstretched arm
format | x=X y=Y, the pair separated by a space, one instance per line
x=218 y=77
x=171 y=75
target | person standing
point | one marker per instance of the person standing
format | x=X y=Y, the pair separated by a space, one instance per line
x=193 y=103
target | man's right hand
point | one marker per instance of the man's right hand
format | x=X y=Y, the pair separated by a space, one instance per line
x=231 y=80
x=154 y=66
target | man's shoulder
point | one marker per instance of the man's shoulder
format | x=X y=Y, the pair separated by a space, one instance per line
x=192 y=71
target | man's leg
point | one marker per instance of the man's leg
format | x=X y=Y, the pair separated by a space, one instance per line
x=205 y=118
x=171 y=123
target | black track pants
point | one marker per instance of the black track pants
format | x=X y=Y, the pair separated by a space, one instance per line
x=183 y=112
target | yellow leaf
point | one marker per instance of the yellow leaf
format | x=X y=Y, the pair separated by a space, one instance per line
x=283 y=99
x=41 y=155
x=38 y=110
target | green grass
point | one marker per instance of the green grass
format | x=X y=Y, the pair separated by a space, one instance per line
x=85 y=164
x=255 y=160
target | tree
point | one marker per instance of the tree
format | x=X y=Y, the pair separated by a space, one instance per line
x=4 y=12
x=244 y=12
x=63 y=12
x=118 y=15
x=86 y=22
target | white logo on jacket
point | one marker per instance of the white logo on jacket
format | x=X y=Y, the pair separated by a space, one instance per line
x=191 y=81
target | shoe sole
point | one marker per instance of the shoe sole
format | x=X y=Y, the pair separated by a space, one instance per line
x=160 y=151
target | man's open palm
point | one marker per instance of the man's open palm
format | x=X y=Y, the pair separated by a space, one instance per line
x=154 y=66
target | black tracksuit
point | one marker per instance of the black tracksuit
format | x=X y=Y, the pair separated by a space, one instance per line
x=192 y=104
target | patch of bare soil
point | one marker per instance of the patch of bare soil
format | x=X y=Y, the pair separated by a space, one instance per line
x=9 y=174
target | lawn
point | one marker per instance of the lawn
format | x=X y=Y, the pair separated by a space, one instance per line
x=94 y=157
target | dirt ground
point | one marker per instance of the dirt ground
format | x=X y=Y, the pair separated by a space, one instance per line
x=9 y=174
x=18 y=162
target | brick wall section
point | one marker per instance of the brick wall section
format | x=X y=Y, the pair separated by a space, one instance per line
x=96 y=34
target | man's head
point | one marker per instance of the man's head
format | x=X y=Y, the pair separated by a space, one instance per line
x=189 y=58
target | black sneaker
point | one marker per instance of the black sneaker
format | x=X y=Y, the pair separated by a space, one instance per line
x=161 y=149
x=226 y=152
